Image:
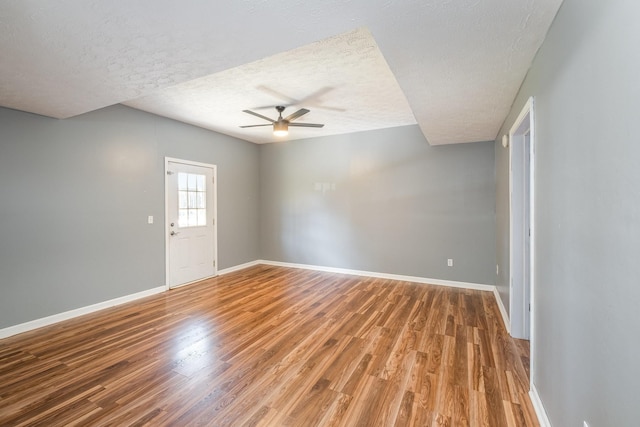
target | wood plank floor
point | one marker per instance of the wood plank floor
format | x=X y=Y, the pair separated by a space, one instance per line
x=273 y=346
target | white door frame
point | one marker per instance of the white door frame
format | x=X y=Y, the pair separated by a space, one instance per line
x=166 y=213
x=518 y=301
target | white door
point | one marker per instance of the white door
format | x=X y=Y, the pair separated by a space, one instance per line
x=190 y=216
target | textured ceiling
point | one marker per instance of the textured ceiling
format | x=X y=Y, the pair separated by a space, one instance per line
x=343 y=80
x=453 y=67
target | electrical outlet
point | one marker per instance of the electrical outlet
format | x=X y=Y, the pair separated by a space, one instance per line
x=150 y=219
x=450 y=262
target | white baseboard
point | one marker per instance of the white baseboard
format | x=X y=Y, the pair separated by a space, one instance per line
x=453 y=284
x=49 y=320
x=543 y=419
x=55 y=318
x=503 y=310
x=218 y=273
x=238 y=267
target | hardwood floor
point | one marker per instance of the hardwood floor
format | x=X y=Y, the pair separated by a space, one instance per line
x=272 y=346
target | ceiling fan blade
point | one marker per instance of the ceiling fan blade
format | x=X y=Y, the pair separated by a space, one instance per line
x=300 y=112
x=277 y=94
x=315 y=96
x=258 y=115
x=253 y=126
x=324 y=107
x=306 y=125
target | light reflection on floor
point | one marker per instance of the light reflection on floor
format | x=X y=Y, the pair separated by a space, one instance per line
x=194 y=348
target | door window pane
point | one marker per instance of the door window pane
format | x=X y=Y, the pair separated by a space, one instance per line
x=192 y=199
x=191 y=179
x=201 y=201
x=182 y=200
x=200 y=182
x=183 y=219
x=193 y=217
x=192 y=196
x=182 y=181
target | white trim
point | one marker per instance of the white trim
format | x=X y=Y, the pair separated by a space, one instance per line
x=439 y=282
x=215 y=219
x=543 y=419
x=532 y=238
x=238 y=267
x=214 y=168
x=503 y=310
x=55 y=318
x=38 y=323
x=187 y=162
x=528 y=109
x=518 y=328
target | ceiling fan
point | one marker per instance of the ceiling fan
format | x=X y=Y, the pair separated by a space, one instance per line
x=281 y=126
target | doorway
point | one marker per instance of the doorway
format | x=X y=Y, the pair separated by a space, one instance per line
x=190 y=215
x=521 y=211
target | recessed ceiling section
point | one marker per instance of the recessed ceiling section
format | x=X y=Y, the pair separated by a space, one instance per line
x=454 y=67
x=344 y=80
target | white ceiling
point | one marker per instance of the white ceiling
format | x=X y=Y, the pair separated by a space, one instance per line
x=454 y=67
x=344 y=81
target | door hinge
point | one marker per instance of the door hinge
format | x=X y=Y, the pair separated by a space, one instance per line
x=214 y=221
x=214 y=262
x=169 y=172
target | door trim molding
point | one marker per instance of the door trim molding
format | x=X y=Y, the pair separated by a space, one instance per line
x=528 y=111
x=517 y=312
x=213 y=167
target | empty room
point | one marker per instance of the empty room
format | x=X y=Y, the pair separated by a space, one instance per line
x=333 y=213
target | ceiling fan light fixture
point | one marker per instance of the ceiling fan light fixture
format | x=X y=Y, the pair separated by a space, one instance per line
x=281 y=125
x=280 y=129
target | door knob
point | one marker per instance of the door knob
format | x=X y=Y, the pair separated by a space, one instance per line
x=173 y=233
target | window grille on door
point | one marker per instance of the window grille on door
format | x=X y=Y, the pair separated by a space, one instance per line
x=192 y=200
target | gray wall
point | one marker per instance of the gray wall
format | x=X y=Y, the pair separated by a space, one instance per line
x=399 y=205
x=586 y=83
x=502 y=213
x=74 y=199
x=76 y=194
